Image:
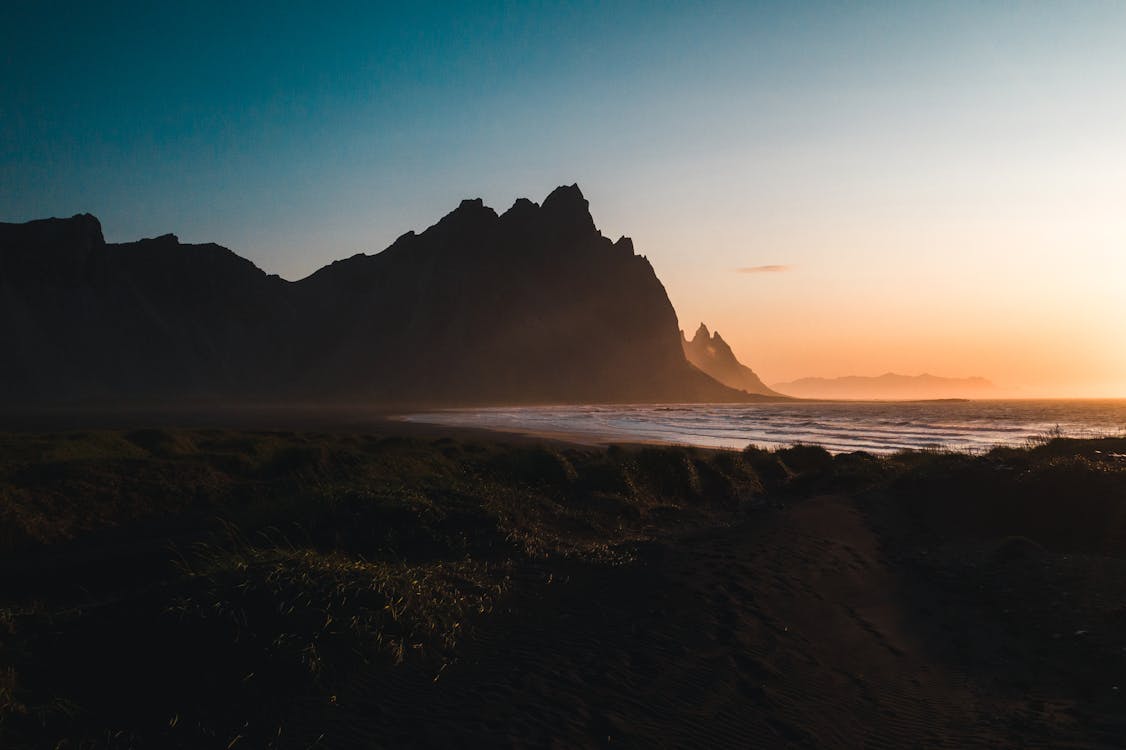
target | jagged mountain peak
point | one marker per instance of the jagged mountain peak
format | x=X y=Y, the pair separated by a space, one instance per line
x=90 y=226
x=471 y=212
x=472 y=310
x=521 y=208
x=708 y=352
x=567 y=194
x=566 y=206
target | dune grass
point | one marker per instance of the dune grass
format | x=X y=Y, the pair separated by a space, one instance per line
x=252 y=564
x=179 y=588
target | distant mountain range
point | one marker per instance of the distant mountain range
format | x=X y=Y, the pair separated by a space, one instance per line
x=888 y=386
x=530 y=306
x=711 y=354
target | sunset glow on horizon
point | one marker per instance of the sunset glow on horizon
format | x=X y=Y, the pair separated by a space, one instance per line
x=892 y=188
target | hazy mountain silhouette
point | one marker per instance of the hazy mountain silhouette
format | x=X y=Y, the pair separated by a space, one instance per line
x=534 y=305
x=711 y=354
x=889 y=386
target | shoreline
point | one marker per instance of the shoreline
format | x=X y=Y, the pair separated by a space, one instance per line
x=881 y=428
x=843 y=433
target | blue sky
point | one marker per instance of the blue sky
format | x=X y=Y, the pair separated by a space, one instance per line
x=900 y=158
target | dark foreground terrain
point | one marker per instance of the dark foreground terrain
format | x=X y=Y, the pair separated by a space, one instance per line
x=210 y=588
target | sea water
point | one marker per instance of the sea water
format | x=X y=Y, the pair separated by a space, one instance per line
x=877 y=427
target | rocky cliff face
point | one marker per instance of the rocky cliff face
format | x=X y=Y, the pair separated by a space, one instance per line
x=86 y=321
x=712 y=355
x=533 y=305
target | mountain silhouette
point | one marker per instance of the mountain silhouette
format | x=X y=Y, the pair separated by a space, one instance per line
x=889 y=386
x=530 y=306
x=712 y=355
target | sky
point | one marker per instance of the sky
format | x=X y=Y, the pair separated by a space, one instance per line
x=938 y=187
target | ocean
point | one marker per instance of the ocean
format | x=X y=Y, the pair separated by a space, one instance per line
x=876 y=427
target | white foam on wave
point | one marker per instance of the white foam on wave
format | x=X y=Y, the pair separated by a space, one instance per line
x=877 y=427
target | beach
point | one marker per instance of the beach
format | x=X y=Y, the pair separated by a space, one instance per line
x=344 y=588
x=881 y=427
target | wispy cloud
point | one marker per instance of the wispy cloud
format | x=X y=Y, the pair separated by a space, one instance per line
x=763 y=269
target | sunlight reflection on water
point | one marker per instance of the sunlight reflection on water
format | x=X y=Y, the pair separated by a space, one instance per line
x=877 y=427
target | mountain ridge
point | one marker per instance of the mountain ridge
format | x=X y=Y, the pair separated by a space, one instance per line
x=889 y=385
x=712 y=355
x=533 y=305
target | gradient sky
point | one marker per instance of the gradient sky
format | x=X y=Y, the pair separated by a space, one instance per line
x=944 y=184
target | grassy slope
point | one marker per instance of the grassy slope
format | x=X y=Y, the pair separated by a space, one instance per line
x=188 y=588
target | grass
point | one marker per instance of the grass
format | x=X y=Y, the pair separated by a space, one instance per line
x=164 y=583
x=186 y=588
